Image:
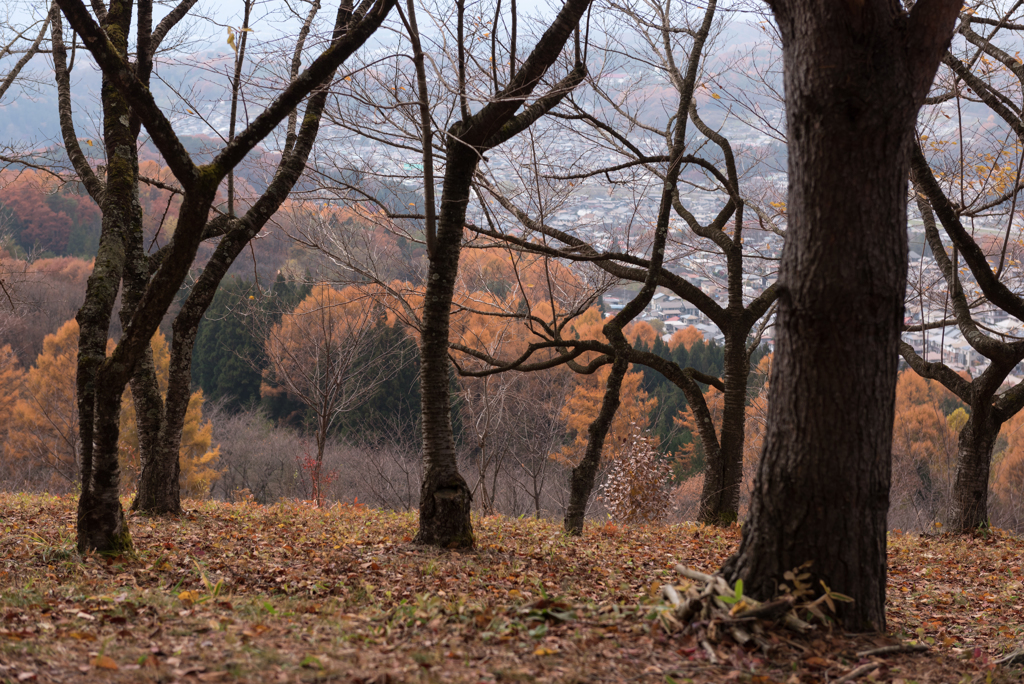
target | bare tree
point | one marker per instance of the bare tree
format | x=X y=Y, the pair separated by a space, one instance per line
x=151 y=281
x=967 y=172
x=330 y=355
x=620 y=140
x=461 y=100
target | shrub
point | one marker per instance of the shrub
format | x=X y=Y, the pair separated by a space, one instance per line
x=636 y=491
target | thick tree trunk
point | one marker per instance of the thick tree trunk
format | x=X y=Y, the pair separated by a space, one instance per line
x=444 y=495
x=855 y=75
x=969 y=509
x=581 y=481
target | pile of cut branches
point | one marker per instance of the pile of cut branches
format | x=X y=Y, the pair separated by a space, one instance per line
x=713 y=611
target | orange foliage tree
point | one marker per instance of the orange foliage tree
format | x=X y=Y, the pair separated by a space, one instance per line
x=687 y=337
x=11 y=378
x=924 y=452
x=43 y=433
x=328 y=355
x=517 y=421
x=1008 y=477
x=584 y=404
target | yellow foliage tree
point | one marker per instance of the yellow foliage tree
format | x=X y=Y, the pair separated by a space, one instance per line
x=924 y=451
x=687 y=337
x=641 y=332
x=921 y=432
x=197 y=459
x=11 y=378
x=43 y=431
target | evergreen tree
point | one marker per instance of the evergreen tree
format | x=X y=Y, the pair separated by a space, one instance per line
x=227 y=360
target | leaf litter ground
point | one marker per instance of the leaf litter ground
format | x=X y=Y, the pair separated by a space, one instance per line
x=244 y=593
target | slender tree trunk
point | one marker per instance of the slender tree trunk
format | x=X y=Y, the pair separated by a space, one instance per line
x=444 y=495
x=855 y=74
x=145 y=388
x=101 y=522
x=723 y=472
x=969 y=510
x=581 y=481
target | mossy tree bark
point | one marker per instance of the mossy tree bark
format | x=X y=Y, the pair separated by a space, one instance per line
x=855 y=75
x=102 y=378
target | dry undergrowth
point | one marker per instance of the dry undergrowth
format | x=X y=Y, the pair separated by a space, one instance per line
x=243 y=593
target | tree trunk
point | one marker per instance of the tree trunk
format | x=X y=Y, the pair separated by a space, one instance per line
x=723 y=471
x=101 y=522
x=145 y=388
x=149 y=411
x=855 y=74
x=969 y=510
x=444 y=495
x=581 y=481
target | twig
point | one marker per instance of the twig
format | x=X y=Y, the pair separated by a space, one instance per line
x=695 y=575
x=670 y=593
x=857 y=672
x=710 y=651
x=1015 y=658
x=768 y=611
x=895 y=648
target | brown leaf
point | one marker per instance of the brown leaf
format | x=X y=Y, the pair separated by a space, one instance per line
x=104 y=662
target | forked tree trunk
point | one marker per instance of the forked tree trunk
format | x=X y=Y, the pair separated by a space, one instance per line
x=159 y=490
x=855 y=75
x=101 y=379
x=445 y=497
x=969 y=510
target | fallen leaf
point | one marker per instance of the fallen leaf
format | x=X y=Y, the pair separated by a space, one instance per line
x=104 y=662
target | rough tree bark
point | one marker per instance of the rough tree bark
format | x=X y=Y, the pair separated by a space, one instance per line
x=855 y=75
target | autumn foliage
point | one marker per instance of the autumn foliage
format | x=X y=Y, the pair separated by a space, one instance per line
x=197 y=459
x=924 y=451
x=43 y=435
x=47 y=216
x=42 y=446
x=1008 y=476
